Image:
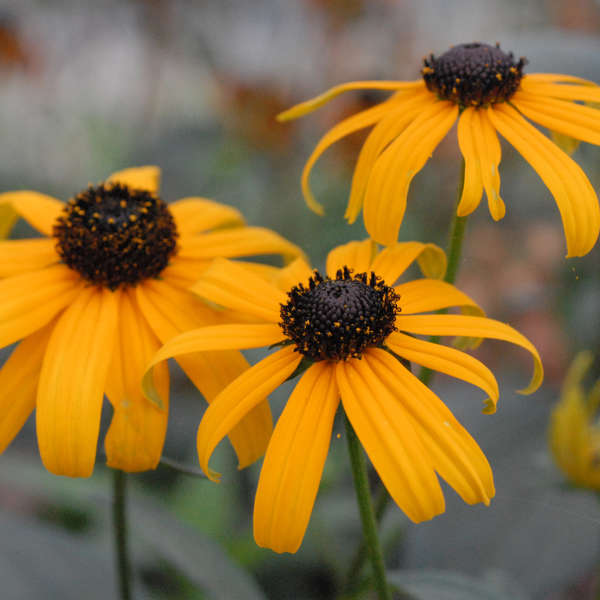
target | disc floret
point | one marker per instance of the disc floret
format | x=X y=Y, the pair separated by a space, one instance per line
x=113 y=235
x=337 y=319
x=473 y=74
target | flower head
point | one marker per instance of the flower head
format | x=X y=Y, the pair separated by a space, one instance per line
x=485 y=89
x=574 y=434
x=350 y=334
x=93 y=301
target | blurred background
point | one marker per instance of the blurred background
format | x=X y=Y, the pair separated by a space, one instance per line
x=87 y=88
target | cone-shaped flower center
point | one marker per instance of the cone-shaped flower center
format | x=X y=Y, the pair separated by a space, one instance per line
x=336 y=319
x=473 y=74
x=113 y=235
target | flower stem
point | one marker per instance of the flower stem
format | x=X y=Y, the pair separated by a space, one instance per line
x=120 y=533
x=367 y=515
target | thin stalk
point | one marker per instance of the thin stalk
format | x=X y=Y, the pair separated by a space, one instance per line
x=367 y=514
x=120 y=533
x=456 y=235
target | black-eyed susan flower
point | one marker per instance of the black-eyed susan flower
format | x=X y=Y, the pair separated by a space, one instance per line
x=92 y=301
x=574 y=434
x=350 y=333
x=487 y=91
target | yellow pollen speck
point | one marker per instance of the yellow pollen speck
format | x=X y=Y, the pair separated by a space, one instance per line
x=513 y=70
x=132 y=218
x=426 y=70
x=337 y=324
x=111 y=220
x=307 y=322
x=123 y=204
x=457 y=80
x=498 y=76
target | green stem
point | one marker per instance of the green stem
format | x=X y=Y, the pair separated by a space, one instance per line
x=120 y=533
x=367 y=515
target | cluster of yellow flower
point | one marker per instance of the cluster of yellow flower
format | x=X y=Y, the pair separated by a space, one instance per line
x=122 y=282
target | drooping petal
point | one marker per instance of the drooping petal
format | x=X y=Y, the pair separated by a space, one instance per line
x=588 y=93
x=475 y=327
x=473 y=183
x=195 y=215
x=455 y=455
x=426 y=295
x=230 y=285
x=392 y=261
x=488 y=148
x=401 y=113
x=242 y=395
x=573 y=120
x=237 y=242
x=136 y=435
x=72 y=382
x=355 y=255
x=356 y=122
x=291 y=472
x=308 y=106
x=30 y=300
x=18 y=256
x=217 y=337
x=574 y=195
x=139 y=178
x=449 y=361
x=390 y=440
x=169 y=312
x=387 y=189
x=39 y=210
x=19 y=378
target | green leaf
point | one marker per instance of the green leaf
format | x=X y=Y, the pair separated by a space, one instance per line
x=432 y=584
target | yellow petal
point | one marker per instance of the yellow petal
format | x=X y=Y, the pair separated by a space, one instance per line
x=30 y=300
x=39 y=210
x=453 y=452
x=390 y=440
x=574 y=195
x=195 y=215
x=136 y=435
x=385 y=197
x=8 y=217
x=230 y=285
x=359 y=121
x=354 y=255
x=299 y=110
x=237 y=242
x=476 y=327
x=488 y=148
x=473 y=183
x=182 y=272
x=169 y=312
x=139 y=178
x=449 y=361
x=392 y=261
x=218 y=337
x=17 y=256
x=589 y=93
x=72 y=383
x=427 y=295
x=291 y=472
x=568 y=118
x=239 y=398
x=298 y=271
x=554 y=77
x=403 y=108
x=19 y=378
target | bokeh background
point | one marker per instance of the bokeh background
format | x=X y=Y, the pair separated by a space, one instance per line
x=88 y=87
